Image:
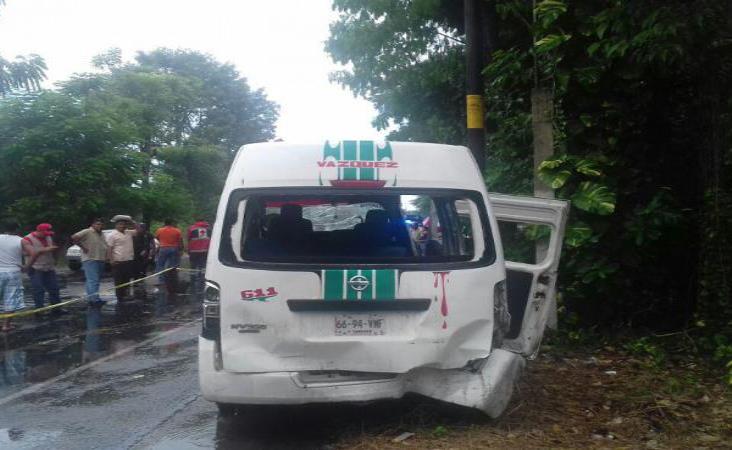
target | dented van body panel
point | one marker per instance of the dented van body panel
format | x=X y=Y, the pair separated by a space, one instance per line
x=320 y=289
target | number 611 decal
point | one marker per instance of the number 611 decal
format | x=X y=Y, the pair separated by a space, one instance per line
x=259 y=295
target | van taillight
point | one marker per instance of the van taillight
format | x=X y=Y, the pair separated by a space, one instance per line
x=211 y=312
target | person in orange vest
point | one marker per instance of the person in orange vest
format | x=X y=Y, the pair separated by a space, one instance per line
x=199 y=239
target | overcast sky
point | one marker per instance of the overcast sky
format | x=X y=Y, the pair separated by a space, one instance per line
x=276 y=44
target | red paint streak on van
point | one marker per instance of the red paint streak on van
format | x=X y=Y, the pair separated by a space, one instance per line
x=442 y=278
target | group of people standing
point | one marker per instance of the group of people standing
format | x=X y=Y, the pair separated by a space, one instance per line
x=130 y=248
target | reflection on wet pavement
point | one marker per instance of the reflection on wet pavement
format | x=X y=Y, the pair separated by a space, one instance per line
x=45 y=346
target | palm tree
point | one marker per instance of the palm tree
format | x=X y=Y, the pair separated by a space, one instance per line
x=23 y=73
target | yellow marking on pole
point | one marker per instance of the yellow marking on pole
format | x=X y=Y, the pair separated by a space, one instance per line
x=476 y=113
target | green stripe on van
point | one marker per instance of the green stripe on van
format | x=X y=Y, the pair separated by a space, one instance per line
x=383 y=285
x=366 y=153
x=331 y=151
x=350 y=153
x=385 y=152
x=351 y=294
x=333 y=284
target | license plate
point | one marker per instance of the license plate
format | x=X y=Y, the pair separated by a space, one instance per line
x=359 y=325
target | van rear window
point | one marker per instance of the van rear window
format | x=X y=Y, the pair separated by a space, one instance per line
x=353 y=227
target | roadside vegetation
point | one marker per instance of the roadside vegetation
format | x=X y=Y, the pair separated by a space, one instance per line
x=151 y=138
x=642 y=121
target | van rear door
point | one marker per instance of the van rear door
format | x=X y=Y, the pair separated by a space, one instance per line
x=365 y=280
x=531 y=283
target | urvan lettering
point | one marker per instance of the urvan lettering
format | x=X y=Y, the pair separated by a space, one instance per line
x=248 y=327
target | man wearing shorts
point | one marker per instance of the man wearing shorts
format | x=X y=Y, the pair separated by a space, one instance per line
x=11 y=265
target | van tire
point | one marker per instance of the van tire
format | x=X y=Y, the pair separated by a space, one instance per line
x=227 y=409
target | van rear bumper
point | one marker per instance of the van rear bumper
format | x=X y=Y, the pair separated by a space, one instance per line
x=488 y=389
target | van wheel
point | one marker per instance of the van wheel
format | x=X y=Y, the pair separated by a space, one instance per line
x=226 y=409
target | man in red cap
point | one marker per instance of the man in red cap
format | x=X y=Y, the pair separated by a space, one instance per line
x=42 y=270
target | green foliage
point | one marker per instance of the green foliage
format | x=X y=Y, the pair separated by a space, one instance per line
x=199 y=169
x=26 y=72
x=423 y=96
x=644 y=347
x=110 y=59
x=169 y=197
x=550 y=42
x=152 y=138
x=595 y=198
x=224 y=111
x=57 y=162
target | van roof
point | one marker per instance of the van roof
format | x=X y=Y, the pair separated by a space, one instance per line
x=355 y=164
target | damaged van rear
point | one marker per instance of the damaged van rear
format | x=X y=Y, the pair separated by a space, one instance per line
x=354 y=271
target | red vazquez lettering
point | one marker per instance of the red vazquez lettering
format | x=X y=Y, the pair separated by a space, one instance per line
x=360 y=164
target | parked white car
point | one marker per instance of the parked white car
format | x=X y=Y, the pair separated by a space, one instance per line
x=73 y=253
x=307 y=303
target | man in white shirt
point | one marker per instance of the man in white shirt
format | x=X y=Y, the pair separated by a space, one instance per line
x=121 y=253
x=11 y=265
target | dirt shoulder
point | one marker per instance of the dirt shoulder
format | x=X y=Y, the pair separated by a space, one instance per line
x=573 y=399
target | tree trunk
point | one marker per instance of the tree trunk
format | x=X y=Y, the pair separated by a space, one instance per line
x=542 y=116
x=146 y=150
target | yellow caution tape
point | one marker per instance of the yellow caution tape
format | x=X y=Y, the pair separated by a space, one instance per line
x=75 y=300
x=39 y=310
x=183 y=269
x=130 y=283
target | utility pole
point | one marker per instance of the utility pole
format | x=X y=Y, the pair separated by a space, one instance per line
x=474 y=80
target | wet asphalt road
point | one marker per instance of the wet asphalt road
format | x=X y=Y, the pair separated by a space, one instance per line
x=99 y=377
x=127 y=378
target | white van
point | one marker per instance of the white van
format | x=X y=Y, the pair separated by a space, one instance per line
x=355 y=271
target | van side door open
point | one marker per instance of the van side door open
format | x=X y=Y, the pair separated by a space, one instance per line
x=531 y=287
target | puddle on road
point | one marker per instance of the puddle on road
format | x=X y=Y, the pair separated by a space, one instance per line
x=13 y=437
x=43 y=348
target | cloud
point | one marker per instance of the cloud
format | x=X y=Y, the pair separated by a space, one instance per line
x=276 y=45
